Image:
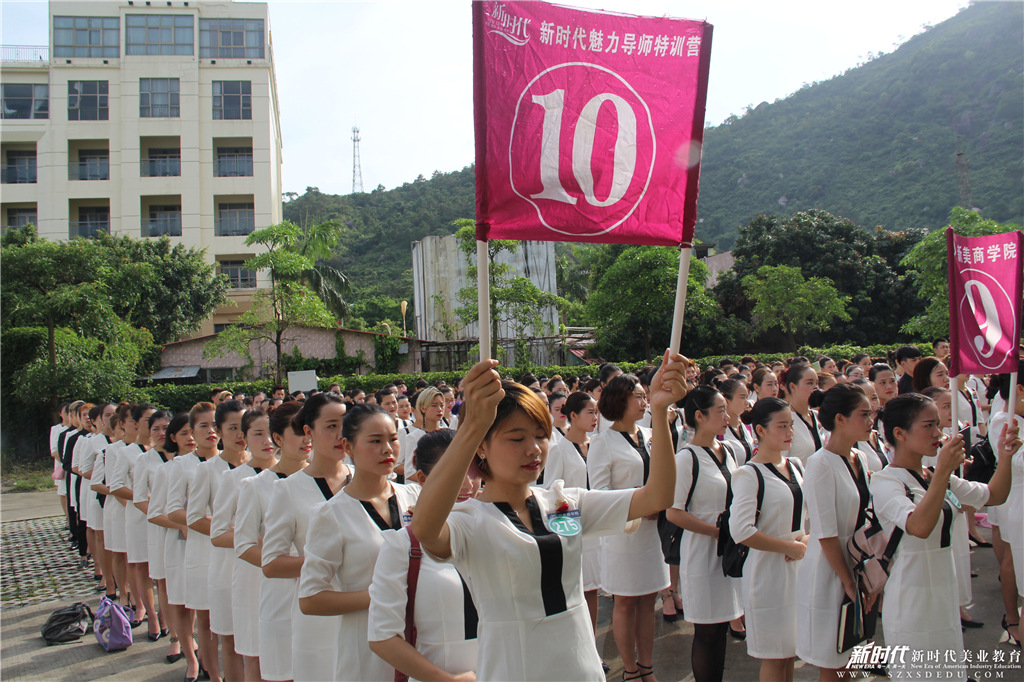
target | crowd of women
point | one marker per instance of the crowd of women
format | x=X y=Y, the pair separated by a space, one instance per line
x=466 y=531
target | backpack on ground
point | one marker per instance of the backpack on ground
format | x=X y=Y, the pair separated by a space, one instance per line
x=68 y=624
x=113 y=625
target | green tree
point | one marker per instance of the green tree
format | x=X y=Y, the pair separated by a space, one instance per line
x=286 y=304
x=632 y=302
x=784 y=299
x=515 y=299
x=928 y=262
x=317 y=243
x=173 y=296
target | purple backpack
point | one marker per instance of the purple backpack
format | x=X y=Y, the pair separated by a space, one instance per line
x=113 y=625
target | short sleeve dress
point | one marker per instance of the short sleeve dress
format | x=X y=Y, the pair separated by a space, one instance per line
x=808 y=437
x=921 y=608
x=345 y=535
x=134 y=520
x=528 y=589
x=567 y=463
x=837 y=497
x=176 y=473
x=145 y=490
x=114 y=537
x=769 y=583
x=1011 y=512
x=234 y=584
x=709 y=596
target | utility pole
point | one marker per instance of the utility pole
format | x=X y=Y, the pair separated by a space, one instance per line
x=963 y=177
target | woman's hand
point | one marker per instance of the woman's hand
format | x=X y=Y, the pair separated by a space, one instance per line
x=1009 y=440
x=669 y=384
x=483 y=391
x=951 y=456
x=795 y=550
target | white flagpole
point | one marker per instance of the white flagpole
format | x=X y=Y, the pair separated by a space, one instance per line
x=483 y=300
x=681 y=282
x=954 y=383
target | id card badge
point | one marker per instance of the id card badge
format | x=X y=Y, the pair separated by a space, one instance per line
x=565 y=523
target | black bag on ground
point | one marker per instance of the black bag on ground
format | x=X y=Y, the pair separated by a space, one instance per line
x=68 y=623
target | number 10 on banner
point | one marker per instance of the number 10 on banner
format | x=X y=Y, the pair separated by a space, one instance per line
x=582 y=149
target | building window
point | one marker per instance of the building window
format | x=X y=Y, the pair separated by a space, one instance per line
x=161 y=163
x=26 y=100
x=86 y=37
x=91 y=221
x=234 y=220
x=163 y=221
x=239 y=276
x=163 y=34
x=231 y=38
x=234 y=162
x=20 y=217
x=158 y=98
x=232 y=100
x=87 y=101
x=92 y=164
x=20 y=167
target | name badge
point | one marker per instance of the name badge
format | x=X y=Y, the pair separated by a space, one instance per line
x=565 y=523
x=953 y=500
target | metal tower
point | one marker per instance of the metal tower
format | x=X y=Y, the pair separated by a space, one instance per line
x=357 y=166
x=963 y=177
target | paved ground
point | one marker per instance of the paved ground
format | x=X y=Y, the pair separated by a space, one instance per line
x=40 y=574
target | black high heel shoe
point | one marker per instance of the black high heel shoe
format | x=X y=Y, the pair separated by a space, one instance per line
x=174 y=658
x=1006 y=626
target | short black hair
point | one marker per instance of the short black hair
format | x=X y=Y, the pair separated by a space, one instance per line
x=907 y=352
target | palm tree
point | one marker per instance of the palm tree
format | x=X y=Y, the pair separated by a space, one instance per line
x=317 y=243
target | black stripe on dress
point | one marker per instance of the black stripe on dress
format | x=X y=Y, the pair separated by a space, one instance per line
x=798 y=494
x=469 y=614
x=395 y=522
x=324 y=488
x=641 y=449
x=945 y=537
x=550 y=547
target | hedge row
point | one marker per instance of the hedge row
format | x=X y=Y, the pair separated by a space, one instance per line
x=180 y=398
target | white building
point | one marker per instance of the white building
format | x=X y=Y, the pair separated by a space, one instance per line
x=147 y=119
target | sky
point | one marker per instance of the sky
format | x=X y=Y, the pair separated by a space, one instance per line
x=402 y=71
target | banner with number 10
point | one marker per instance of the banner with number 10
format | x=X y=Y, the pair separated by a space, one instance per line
x=589 y=125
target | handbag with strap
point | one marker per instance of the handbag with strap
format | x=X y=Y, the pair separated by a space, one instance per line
x=415 y=558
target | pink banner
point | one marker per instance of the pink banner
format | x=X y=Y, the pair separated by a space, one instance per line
x=589 y=125
x=986 y=285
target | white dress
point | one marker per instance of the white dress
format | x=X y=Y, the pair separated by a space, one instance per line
x=182 y=587
x=709 y=596
x=79 y=484
x=115 y=538
x=534 y=621
x=567 y=464
x=314 y=638
x=808 y=437
x=876 y=457
x=744 y=440
x=835 y=500
x=632 y=564
x=135 y=532
x=174 y=471
x=208 y=568
x=445 y=616
x=1011 y=512
x=407 y=441
x=92 y=463
x=236 y=580
x=769 y=583
x=921 y=609
x=151 y=487
x=274 y=598
x=344 y=538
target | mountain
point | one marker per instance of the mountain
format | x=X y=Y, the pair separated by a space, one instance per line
x=876 y=145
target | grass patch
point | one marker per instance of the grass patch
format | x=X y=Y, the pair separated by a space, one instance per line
x=25 y=477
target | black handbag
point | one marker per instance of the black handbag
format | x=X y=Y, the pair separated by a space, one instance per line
x=733 y=554
x=68 y=624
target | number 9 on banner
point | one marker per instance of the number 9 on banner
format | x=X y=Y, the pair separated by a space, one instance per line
x=582 y=148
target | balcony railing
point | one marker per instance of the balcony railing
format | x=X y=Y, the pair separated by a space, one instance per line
x=17 y=174
x=235 y=166
x=24 y=53
x=160 y=167
x=162 y=227
x=87 y=228
x=234 y=227
x=96 y=169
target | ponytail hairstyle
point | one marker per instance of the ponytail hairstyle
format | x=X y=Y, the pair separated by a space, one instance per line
x=282 y=418
x=729 y=387
x=251 y=416
x=792 y=375
x=711 y=377
x=697 y=400
x=762 y=412
x=576 y=403
x=608 y=371
x=900 y=413
x=139 y=410
x=177 y=423
x=429 y=449
x=198 y=409
x=310 y=411
x=840 y=399
x=758 y=377
x=357 y=416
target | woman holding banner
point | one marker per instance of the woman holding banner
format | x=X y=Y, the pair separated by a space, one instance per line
x=533 y=623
